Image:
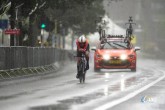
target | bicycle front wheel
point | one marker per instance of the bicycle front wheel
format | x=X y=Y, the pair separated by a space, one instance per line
x=84 y=77
x=81 y=78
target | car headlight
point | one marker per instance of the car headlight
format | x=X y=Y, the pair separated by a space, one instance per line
x=106 y=57
x=123 y=57
x=98 y=56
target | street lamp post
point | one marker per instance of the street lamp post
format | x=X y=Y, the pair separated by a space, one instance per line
x=16 y=39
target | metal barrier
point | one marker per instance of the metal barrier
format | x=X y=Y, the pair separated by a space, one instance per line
x=24 y=57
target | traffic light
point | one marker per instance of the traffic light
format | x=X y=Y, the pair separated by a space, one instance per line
x=43 y=25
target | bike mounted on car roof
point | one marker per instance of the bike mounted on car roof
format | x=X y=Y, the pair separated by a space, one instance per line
x=127 y=38
x=129 y=30
x=109 y=38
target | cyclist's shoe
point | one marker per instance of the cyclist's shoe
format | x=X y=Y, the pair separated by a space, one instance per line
x=77 y=76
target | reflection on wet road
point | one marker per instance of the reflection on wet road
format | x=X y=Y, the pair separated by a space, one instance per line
x=107 y=90
x=66 y=93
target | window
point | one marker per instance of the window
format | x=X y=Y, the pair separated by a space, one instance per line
x=115 y=45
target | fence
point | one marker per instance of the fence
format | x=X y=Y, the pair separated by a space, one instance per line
x=24 y=57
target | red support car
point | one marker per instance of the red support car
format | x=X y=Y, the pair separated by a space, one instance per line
x=115 y=53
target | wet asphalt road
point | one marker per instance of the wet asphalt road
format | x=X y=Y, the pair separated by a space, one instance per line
x=108 y=89
x=154 y=99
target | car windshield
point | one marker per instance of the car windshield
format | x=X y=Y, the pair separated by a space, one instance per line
x=115 y=45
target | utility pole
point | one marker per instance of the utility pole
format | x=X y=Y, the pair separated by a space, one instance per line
x=32 y=16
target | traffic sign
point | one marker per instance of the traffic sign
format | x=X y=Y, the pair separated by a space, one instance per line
x=12 y=31
x=3 y=23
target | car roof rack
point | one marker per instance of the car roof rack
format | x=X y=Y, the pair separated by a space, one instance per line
x=111 y=38
x=115 y=36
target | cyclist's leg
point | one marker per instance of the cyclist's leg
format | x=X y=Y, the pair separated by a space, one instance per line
x=78 y=61
x=87 y=59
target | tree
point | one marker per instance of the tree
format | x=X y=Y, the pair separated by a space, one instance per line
x=76 y=14
x=79 y=15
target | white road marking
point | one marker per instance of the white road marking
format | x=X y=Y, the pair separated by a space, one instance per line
x=129 y=96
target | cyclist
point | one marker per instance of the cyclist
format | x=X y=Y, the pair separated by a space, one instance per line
x=82 y=47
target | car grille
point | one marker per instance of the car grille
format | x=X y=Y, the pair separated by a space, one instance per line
x=115 y=62
x=115 y=58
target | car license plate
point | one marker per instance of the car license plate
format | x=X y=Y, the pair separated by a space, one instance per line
x=115 y=61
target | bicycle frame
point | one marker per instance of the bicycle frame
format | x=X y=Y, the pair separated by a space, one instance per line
x=129 y=30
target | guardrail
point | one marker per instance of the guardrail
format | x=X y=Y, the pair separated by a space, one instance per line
x=26 y=57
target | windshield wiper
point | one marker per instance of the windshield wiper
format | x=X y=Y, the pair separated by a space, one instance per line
x=120 y=45
x=112 y=45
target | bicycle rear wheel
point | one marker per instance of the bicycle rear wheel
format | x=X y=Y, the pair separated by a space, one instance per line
x=82 y=72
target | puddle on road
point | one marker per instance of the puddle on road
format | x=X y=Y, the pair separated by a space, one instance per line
x=106 y=91
x=65 y=104
x=14 y=95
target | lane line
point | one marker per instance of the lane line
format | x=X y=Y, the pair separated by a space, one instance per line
x=129 y=96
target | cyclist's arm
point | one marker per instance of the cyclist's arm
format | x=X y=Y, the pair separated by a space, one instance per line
x=88 y=48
